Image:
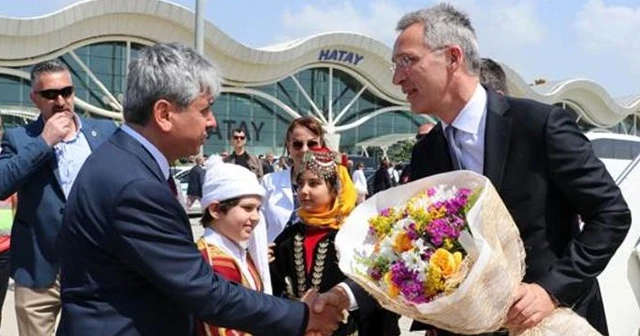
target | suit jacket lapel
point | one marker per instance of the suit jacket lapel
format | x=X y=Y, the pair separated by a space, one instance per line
x=127 y=142
x=431 y=155
x=91 y=133
x=497 y=138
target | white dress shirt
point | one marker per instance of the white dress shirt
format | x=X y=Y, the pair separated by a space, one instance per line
x=471 y=124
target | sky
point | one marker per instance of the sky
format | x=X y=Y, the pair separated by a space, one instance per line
x=551 y=39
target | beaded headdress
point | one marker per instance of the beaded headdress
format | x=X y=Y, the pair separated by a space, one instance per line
x=322 y=161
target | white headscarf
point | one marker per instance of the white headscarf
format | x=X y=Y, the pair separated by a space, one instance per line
x=225 y=181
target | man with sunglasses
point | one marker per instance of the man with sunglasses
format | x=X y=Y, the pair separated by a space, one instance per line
x=40 y=162
x=240 y=156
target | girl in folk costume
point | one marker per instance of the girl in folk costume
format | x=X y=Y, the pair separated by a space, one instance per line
x=232 y=197
x=305 y=256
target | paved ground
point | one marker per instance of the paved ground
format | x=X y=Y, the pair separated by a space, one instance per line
x=9 y=327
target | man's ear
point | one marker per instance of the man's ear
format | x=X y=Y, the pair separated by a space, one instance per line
x=162 y=114
x=454 y=57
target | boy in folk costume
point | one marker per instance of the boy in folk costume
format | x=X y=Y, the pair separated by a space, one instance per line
x=232 y=197
x=305 y=255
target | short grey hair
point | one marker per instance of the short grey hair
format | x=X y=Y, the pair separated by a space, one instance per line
x=49 y=66
x=445 y=25
x=168 y=71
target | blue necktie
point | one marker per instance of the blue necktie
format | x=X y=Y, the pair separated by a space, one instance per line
x=454 y=149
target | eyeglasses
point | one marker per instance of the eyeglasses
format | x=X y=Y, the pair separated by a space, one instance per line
x=51 y=94
x=405 y=62
x=239 y=137
x=297 y=144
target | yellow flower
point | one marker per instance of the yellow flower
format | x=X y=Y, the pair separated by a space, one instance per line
x=394 y=291
x=434 y=284
x=446 y=262
x=402 y=243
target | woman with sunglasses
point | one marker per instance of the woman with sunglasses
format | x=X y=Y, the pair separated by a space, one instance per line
x=280 y=201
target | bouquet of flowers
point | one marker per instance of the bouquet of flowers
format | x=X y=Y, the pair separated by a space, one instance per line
x=445 y=251
x=418 y=255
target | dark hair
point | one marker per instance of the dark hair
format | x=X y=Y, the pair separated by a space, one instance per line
x=49 y=66
x=493 y=76
x=223 y=207
x=311 y=124
x=237 y=130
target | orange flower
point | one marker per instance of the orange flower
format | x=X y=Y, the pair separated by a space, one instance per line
x=394 y=291
x=402 y=243
x=446 y=262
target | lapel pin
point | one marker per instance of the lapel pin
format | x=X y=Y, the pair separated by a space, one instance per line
x=94 y=133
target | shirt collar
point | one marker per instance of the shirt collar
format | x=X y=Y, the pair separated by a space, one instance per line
x=232 y=248
x=79 y=129
x=469 y=118
x=157 y=155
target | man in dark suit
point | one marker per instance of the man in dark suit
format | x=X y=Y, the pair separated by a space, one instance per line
x=129 y=263
x=40 y=162
x=196 y=179
x=534 y=154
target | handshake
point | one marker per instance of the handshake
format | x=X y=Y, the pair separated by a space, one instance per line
x=326 y=310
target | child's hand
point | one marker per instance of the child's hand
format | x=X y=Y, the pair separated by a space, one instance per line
x=271 y=254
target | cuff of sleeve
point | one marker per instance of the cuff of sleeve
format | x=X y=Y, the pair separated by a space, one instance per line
x=353 y=304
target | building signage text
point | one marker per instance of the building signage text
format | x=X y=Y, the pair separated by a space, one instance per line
x=338 y=55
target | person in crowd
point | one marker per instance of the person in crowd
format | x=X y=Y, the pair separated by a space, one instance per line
x=381 y=179
x=281 y=202
x=349 y=165
x=40 y=162
x=541 y=164
x=231 y=204
x=305 y=255
x=393 y=173
x=267 y=164
x=196 y=179
x=282 y=164
x=240 y=156
x=8 y=208
x=128 y=262
x=492 y=76
x=423 y=129
x=224 y=155
x=360 y=183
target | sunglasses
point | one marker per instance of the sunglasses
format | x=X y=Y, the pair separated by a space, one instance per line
x=297 y=144
x=239 y=137
x=50 y=94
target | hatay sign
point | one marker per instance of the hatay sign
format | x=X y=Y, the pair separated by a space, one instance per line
x=342 y=56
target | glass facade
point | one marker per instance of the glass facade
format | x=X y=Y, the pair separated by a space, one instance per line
x=264 y=122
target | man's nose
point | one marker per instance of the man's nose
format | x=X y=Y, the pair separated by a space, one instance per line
x=211 y=120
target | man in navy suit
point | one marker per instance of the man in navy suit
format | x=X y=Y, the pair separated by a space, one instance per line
x=40 y=162
x=129 y=263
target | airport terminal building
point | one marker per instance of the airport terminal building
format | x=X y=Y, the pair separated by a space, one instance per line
x=343 y=79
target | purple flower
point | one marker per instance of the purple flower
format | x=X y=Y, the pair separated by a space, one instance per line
x=375 y=273
x=408 y=283
x=412 y=232
x=385 y=212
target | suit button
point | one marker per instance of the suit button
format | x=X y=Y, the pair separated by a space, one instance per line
x=62 y=211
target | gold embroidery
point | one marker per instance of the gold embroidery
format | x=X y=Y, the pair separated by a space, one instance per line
x=318 y=268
